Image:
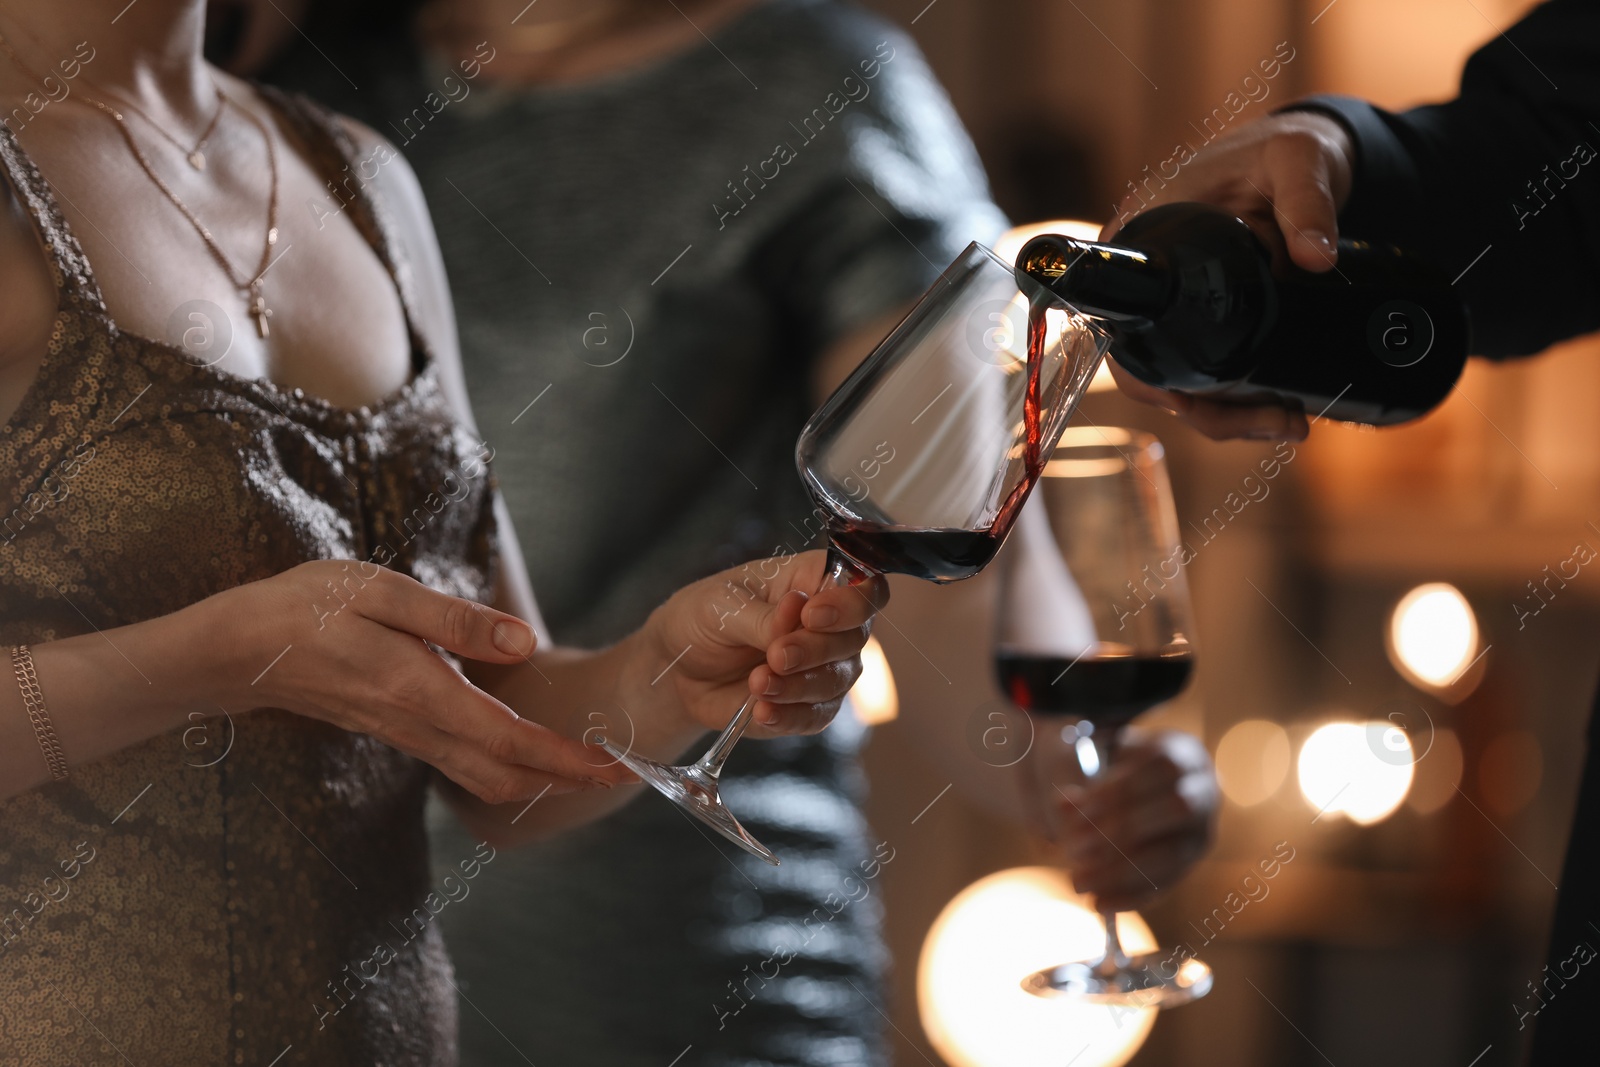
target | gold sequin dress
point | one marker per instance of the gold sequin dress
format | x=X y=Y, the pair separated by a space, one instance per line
x=254 y=889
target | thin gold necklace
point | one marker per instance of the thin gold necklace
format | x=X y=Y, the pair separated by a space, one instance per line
x=249 y=285
x=196 y=155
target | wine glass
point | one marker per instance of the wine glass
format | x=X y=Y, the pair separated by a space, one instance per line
x=920 y=462
x=1094 y=634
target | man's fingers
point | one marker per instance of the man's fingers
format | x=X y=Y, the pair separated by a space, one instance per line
x=1175 y=403
x=1218 y=421
x=1253 y=422
x=1302 y=199
x=461 y=626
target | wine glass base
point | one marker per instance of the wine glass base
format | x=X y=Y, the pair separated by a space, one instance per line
x=695 y=792
x=1142 y=983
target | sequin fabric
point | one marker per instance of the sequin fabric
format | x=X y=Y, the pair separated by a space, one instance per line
x=254 y=889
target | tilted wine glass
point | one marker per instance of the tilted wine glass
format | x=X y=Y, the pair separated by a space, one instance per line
x=920 y=461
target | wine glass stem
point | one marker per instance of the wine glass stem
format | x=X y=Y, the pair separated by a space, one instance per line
x=840 y=571
x=1095 y=762
x=711 y=763
x=1115 y=959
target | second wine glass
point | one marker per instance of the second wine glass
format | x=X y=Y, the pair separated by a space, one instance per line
x=1091 y=636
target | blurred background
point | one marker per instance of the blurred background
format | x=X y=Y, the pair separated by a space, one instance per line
x=1413 y=915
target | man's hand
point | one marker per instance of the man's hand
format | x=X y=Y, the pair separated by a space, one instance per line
x=1286 y=175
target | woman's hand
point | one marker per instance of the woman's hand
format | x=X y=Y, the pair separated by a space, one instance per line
x=1135 y=830
x=351 y=641
x=764 y=629
x=1287 y=175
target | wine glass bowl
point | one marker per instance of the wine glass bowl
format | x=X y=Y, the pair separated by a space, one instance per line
x=920 y=461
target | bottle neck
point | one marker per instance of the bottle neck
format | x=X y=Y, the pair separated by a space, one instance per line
x=1106 y=281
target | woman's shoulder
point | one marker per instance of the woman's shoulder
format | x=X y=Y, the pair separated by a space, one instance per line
x=833 y=55
x=822 y=29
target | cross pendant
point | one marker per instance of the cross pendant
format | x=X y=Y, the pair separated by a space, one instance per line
x=261 y=313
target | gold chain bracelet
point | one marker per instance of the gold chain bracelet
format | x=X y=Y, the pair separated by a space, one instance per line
x=33 y=698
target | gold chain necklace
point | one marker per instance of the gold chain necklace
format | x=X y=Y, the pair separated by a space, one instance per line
x=196 y=155
x=249 y=285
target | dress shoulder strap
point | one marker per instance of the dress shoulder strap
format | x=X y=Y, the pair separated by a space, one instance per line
x=338 y=159
x=75 y=281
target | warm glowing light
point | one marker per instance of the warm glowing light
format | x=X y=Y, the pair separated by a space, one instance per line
x=1438 y=773
x=1433 y=635
x=1011 y=242
x=1102 y=380
x=994 y=934
x=1079 y=436
x=1360 y=770
x=874 y=697
x=1252 y=761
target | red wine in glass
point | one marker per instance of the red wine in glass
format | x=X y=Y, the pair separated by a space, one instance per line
x=1109 y=685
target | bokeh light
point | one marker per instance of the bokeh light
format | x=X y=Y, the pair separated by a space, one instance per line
x=1252 y=761
x=1360 y=770
x=1438 y=774
x=989 y=938
x=874 y=697
x=1433 y=636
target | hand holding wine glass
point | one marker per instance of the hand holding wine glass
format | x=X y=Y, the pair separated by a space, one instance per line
x=1128 y=835
x=764 y=632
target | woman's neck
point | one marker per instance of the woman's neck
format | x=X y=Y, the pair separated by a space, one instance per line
x=146 y=51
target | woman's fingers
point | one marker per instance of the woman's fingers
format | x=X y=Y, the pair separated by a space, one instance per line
x=765 y=629
x=1130 y=880
x=463 y=627
x=802 y=650
x=846 y=607
x=491 y=781
x=1140 y=827
x=830 y=628
x=781 y=694
x=796 y=719
x=436 y=693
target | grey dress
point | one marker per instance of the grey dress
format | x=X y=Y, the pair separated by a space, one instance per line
x=645 y=269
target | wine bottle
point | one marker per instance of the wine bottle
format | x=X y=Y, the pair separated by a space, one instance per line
x=1195 y=304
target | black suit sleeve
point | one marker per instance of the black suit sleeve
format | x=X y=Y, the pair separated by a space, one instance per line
x=1509 y=171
